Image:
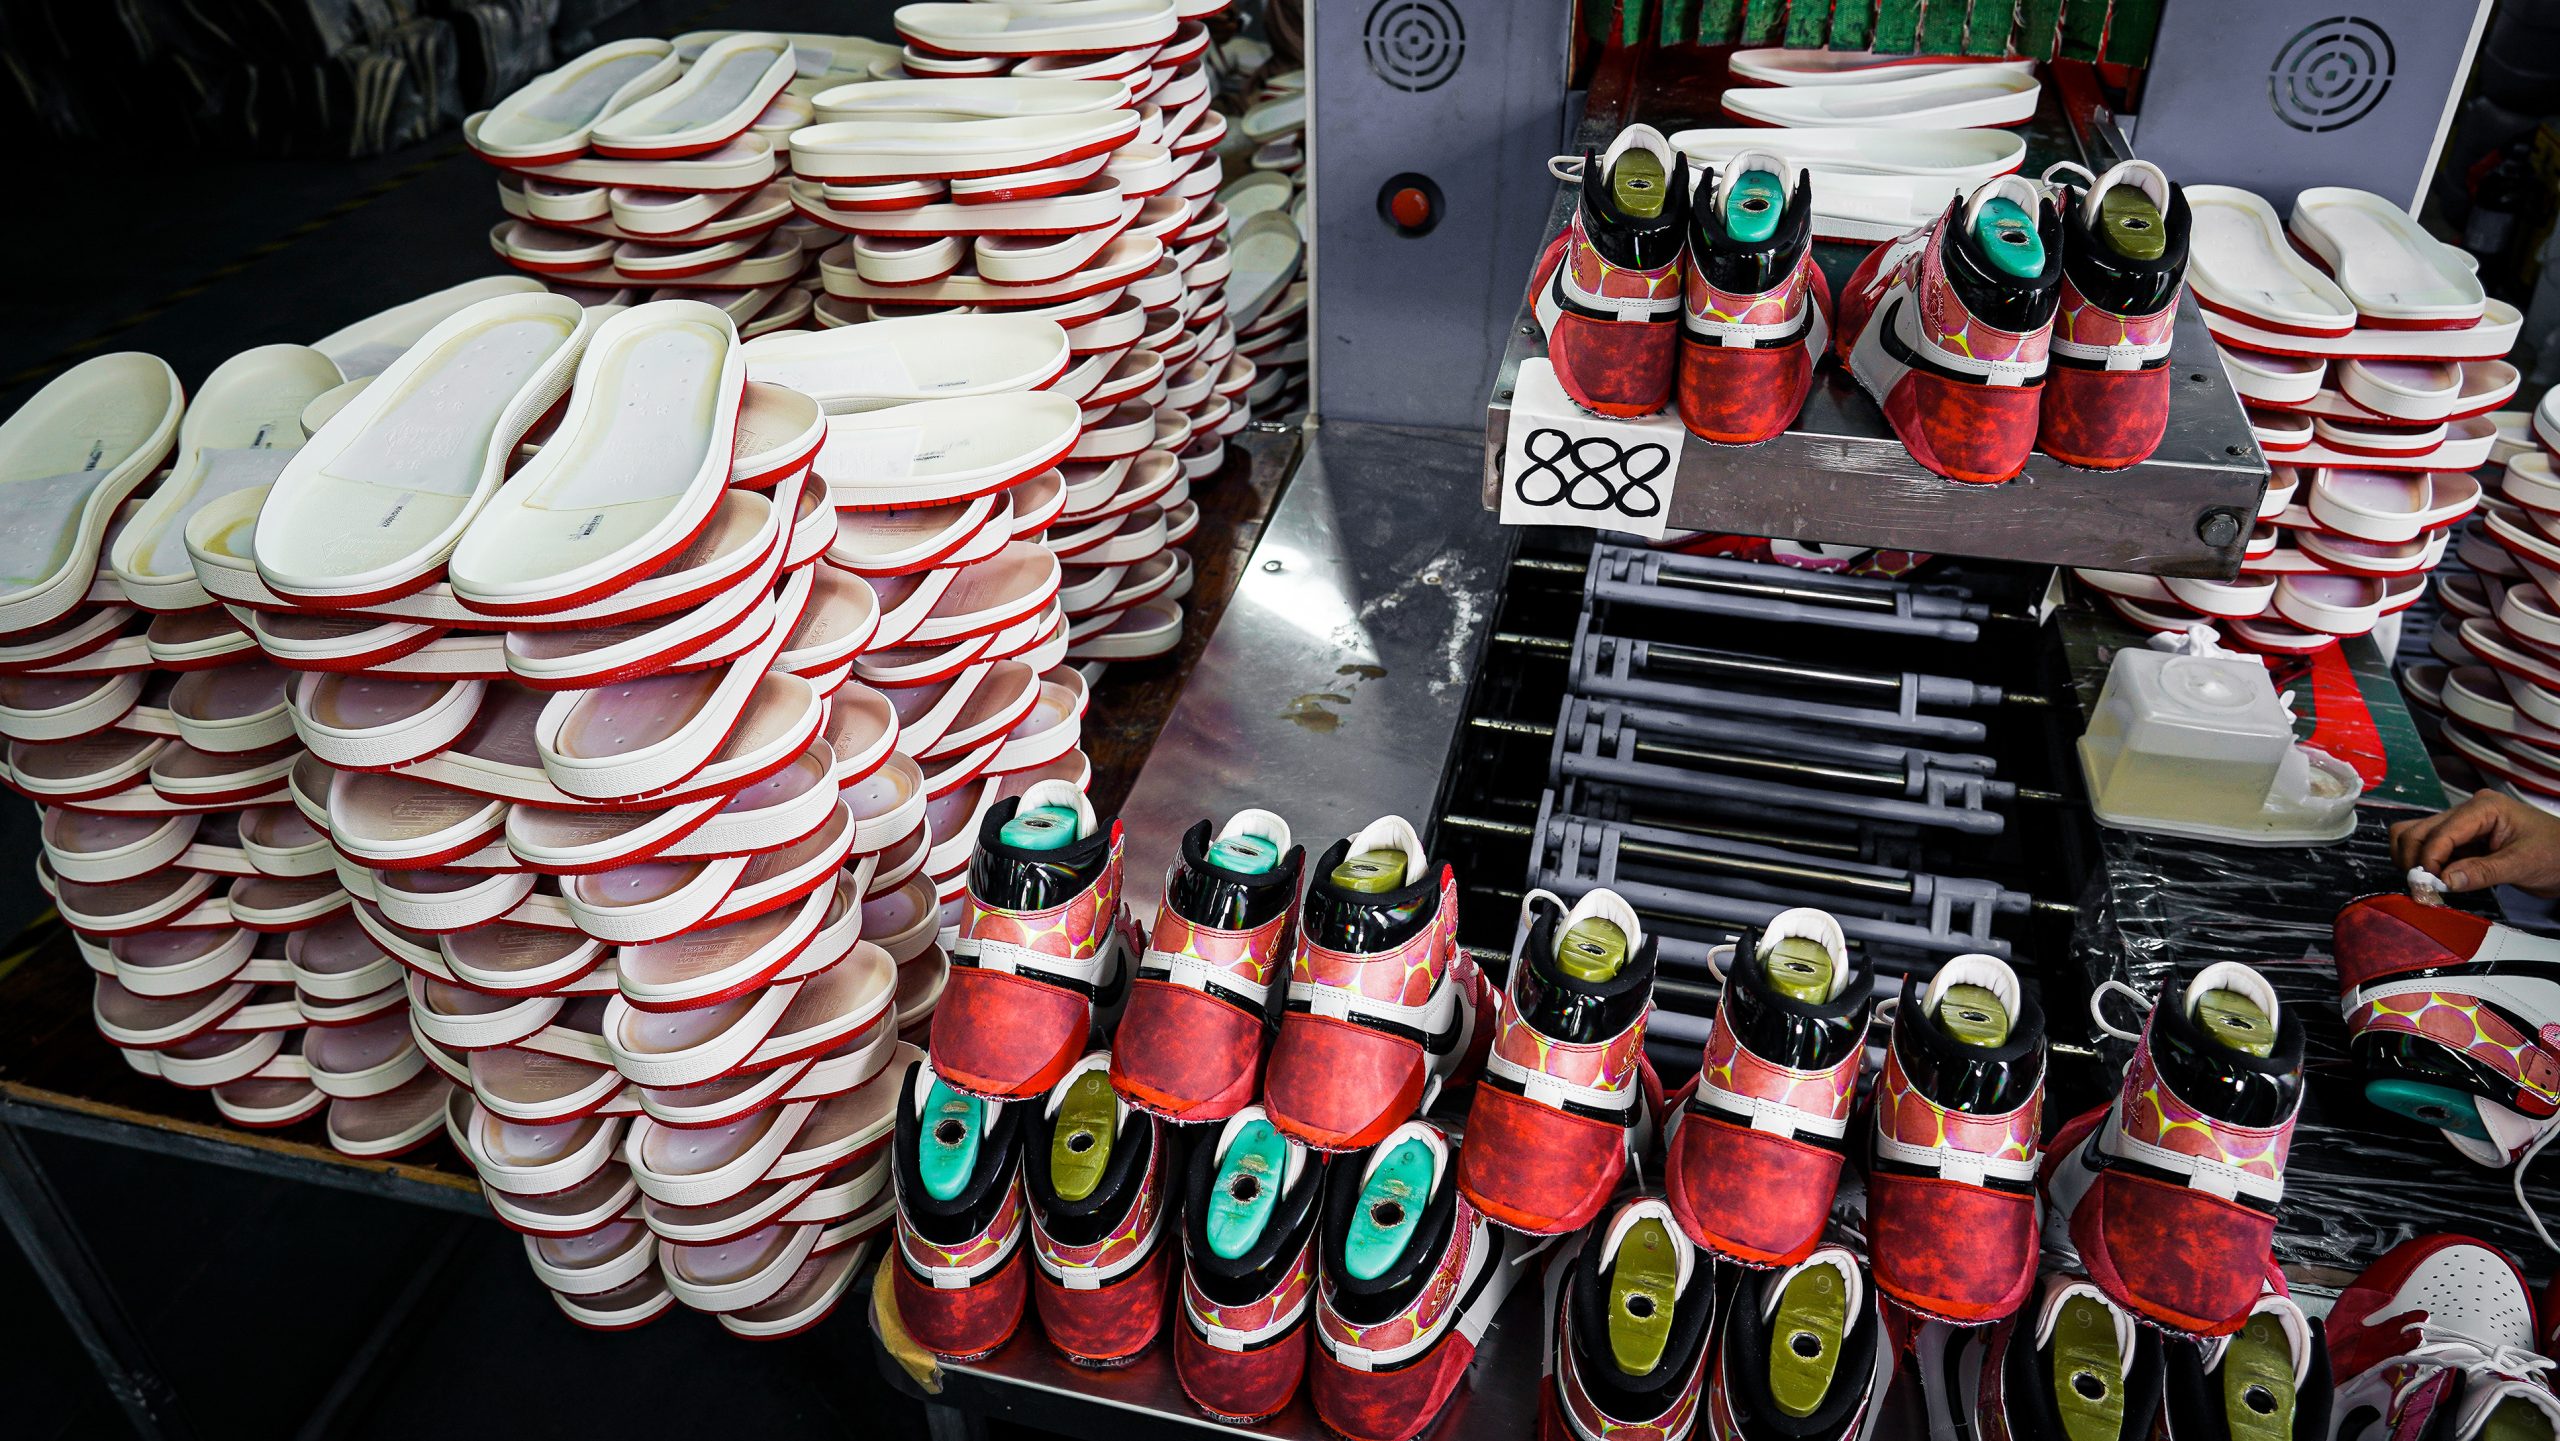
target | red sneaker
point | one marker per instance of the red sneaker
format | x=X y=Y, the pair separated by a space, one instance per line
x=1608 y=288
x=957 y=1168
x=1756 y=1146
x=1951 y=339
x=1200 y=1016
x=1248 y=1269
x=2170 y=1193
x=1951 y=1204
x=1780 y=1332
x=1756 y=311
x=1095 y=1170
x=1650 y=1386
x=1383 y=1006
x=2124 y=259
x=2435 y=1339
x=1040 y=971
x=1566 y=1090
x=1409 y=1275
x=2027 y=1378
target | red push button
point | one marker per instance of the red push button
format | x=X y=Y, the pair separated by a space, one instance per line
x=1411 y=208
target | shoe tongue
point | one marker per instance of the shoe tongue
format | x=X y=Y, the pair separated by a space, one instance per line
x=1805 y=956
x=1385 y=855
x=1256 y=1167
x=1403 y=1172
x=1052 y=816
x=1974 y=999
x=1250 y=844
x=2001 y=219
x=1088 y=1115
x=1597 y=938
x=1809 y=1308
x=2235 y=1006
x=1752 y=195
x=2124 y=210
x=2090 y=1344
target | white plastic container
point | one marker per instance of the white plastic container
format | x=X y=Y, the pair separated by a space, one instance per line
x=2199 y=745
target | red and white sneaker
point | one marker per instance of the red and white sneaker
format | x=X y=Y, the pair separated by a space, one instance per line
x=2170 y=1192
x=1951 y=338
x=1383 y=1007
x=1756 y=1147
x=2124 y=260
x=956 y=1162
x=2076 y=1365
x=1200 y=1014
x=2455 y=1022
x=1608 y=289
x=1409 y=1275
x=1094 y=1167
x=1755 y=312
x=1041 y=967
x=1806 y=1354
x=2435 y=1340
x=1951 y=1203
x=1606 y=1378
x=1566 y=1092
x=1249 y=1222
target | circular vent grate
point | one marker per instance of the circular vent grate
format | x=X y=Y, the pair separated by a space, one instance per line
x=1414 y=44
x=2331 y=74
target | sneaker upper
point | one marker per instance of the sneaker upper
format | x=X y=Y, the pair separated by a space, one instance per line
x=1066 y=942
x=1233 y=963
x=1959 y=1111
x=1741 y=1399
x=2117 y=311
x=2446 y=998
x=2432 y=1339
x=2200 y=1383
x=1192 y=1041
x=1778 y=1064
x=1380 y=1322
x=1565 y=1041
x=955 y=1239
x=1600 y=1396
x=1757 y=292
x=1620 y=266
x=1094 y=1239
x=2203 y=1114
x=1238 y=1302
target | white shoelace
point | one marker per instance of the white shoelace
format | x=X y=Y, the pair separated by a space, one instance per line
x=2098 y=997
x=2457 y=1350
x=2524 y=1161
x=1567 y=168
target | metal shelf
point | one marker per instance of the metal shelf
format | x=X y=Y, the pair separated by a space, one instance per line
x=1840 y=475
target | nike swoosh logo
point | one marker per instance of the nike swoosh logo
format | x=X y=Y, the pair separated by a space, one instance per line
x=1894 y=345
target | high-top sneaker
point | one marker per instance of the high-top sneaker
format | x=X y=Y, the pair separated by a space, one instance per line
x=1094 y=1167
x=1608 y=289
x=2267 y=1381
x=1249 y=1219
x=1041 y=968
x=2124 y=257
x=2453 y=1020
x=1951 y=1203
x=2170 y=1191
x=1200 y=1015
x=956 y=1163
x=1756 y=311
x=1409 y=1274
x=1950 y=326
x=1806 y=1354
x=1566 y=1090
x=2075 y=1368
x=1383 y=1006
x=2435 y=1340
x=1630 y=1322
x=1755 y=1150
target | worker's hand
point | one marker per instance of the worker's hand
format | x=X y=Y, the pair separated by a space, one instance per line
x=2488 y=840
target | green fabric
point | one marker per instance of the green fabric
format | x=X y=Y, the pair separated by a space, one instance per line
x=1897 y=26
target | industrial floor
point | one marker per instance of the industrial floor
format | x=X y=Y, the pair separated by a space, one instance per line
x=260 y=1295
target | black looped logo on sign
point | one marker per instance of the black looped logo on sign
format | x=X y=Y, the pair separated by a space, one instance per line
x=1606 y=475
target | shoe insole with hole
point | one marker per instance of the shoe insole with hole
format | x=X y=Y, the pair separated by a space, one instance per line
x=1592 y=950
x=2237 y=1022
x=1799 y=969
x=1973 y=1016
x=2007 y=235
x=1638 y=184
x=2257 y=1382
x=1080 y=1146
x=1804 y=1345
x=1752 y=206
x=1644 y=1285
x=2129 y=224
x=1388 y=1211
x=947 y=1142
x=2088 y=1372
x=1247 y=1191
x=1370 y=872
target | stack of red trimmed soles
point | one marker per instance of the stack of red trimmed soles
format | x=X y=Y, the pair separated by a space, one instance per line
x=600 y=774
x=1274 y=335
x=155 y=742
x=1062 y=172
x=2495 y=696
x=628 y=173
x=951 y=460
x=2369 y=359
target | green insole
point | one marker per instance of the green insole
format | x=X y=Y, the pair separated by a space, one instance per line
x=1638 y=184
x=1644 y=1284
x=2442 y=1107
x=1804 y=1349
x=1080 y=1147
x=1799 y=969
x=1752 y=207
x=2237 y=1022
x=1592 y=950
x=947 y=1143
x=1974 y=1016
x=1247 y=1191
x=2008 y=236
x=1370 y=872
x=1389 y=1210
x=1244 y=855
x=2088 y=1367
x=2257 y=1382
x=2130 y=224
x=1045 y=828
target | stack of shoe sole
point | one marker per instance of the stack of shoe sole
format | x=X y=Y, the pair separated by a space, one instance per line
x=2369 y=359
x=1267 y=217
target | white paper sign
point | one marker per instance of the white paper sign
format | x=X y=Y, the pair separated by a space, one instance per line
x=1562 y=465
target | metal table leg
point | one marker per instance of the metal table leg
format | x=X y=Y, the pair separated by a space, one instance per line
x=34 y=1215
